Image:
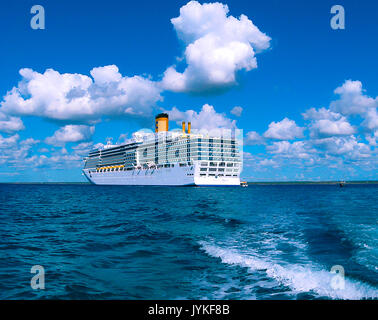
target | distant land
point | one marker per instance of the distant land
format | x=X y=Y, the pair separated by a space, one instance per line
x=312 y=182
x=249 y=183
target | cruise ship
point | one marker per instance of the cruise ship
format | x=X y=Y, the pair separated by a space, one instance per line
x=168 y=158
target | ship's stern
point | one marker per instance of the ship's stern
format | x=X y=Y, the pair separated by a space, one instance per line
x=217 y=173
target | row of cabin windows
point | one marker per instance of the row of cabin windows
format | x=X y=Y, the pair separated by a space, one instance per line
x=146 y=151
x=221 y=164
x=218 y=175
x=171 y=165
x=218 y=170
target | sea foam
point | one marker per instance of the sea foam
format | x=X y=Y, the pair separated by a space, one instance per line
x=299 y=278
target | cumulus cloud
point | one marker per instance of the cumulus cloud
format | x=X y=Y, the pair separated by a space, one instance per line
x=14 y=151
x=327 y=127
x=352 y=99
x=205 y=120
x=268 y=162
x=21 y=155
x=10 y=124
x=217 y=47
x=320 y=114
x=325 y=123
x=371 y=119
x=343 y=145
x=284 y=130
x=29 y=142
x=372 y=139
x=70 y=133
x=79 y=97
x=333 y=141
x=253 y=138
x=297 y=149
x=8 y=142
x=335 y=120
x=237 y=111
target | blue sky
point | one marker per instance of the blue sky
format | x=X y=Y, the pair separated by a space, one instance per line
x=307 y=93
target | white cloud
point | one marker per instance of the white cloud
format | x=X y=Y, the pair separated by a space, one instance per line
x=352 y=100
x=371 y=119
x=106 y=75
x=253 y=138
x=334 y=121
x=327 y=127
x=29 y=142
x=123 y=137
x=14 y=151
x=217 y=46
x=237 y=111
x=284 y=130
x=10 y=124
x=372 y=139
x=332 y=142
x=79 y=97
x=9 y=142
x=343 y=145
x=268 y=162
x=298 y=149
x=326 y=123
x=320 y=114
x=18 y=154
x=70 y=133
x=205 y=120
x=83 y=146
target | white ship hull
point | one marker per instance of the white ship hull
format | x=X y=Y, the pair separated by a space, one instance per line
x=177 y=176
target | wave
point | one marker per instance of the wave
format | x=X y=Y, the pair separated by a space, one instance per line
x=299 y=278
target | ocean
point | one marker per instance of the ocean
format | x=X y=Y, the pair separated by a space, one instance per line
x=260 y=242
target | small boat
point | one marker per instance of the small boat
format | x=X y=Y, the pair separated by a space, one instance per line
x=244 y=184
x=342 y=184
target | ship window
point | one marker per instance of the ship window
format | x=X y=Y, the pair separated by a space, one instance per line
x=145 y=153
x=222 y=164
x=213 y=164
x=203 y=175
x=203 y=169
x=230 y=164
x=235 y=175
x=203 y=164
x=177 y=153
x=220 y=175
x=211 y=175
x=228 y=175
x=213 y=169
x=166 y=166
x=221 y=170
x=112 y=169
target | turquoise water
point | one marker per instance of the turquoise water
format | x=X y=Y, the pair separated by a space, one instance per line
x=261 y=242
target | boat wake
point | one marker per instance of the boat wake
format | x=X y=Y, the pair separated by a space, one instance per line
x=299 y=278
